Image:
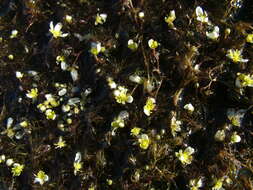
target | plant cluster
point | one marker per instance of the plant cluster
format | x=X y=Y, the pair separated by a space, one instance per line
x=108 y=94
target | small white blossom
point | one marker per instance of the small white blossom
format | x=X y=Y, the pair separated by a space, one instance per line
x=214 y=34
x=41 y=177
x=19 y=75
x=201 y=15
x=235 y=138
x=14 y=34
x=189 y=107
x=56 y=30
x=68 y=18
x=100 y=18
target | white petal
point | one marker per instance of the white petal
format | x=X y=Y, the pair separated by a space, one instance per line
x=130 y=99
x=51 y=25
x=74 y=74
x=244 y=60
x=190 y=150
x=64 y=35
x=78 y=157
x=199 y=11
x=58 y=26
x=147 y=112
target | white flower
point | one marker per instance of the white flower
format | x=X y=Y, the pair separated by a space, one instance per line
x=170 y=19
x=132 y=45
x=14 y=34
x=189 y=107
x=244 y=80
x=56 y=30
x=236 y=117
x=220 y=135
x=175 y=126
x=9 y=162
x=201 y=15
x=235 y=138
x=33 y=93
x=19 y=75
x=96 y=48
x=135 y=78
x=50 y=114
x=100 y=18
x=68 y=18
x=111 y=83
x=153 y=44
x=77 y=163
x=41 y=177
x=195 y=184
x=74 y=74
x=141 y=15
x=185 y=156
x=213 y=34
x=149 y=106
x=236 y=56
x=122 y=96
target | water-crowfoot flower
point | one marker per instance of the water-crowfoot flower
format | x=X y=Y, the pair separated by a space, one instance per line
x=236 y=117
x=51 y=100
x=11 y=57
x=122 y=96
x=19 y=75
x=235 y=138
x=185 y=156
x=153 y=44
x=135 y=131
x=170 y=19
x=50 y=114
x=17 y=169
x=62 y=61
x=249 y=38
x=9 y=131
x=144 y=141
x=175 y=126
x=131 y=44
x=214 y=34
x=60 y=144
x=100 y=18
x=14 y=34
x=201 y=15
x=33 y=93
x=218 y=183
x=195 y=184
x=189 y=107
x=2 y=158
x=77 y=163
x=136 y=79
x=74 y=73
x=9 y=162
x=111 y=83
x=69 y=19
x=149 y=85
x=149 y=106
x=220 y=135
x=236 y=56
x=244 y=80
x=141 y=15
x=41 y=177
x=96 y=48
x=56 y=30
x=119 y=121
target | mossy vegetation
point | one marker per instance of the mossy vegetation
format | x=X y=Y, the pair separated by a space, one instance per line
x=126 y=94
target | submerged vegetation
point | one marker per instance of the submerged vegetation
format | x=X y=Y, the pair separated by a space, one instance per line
x=126 y=94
